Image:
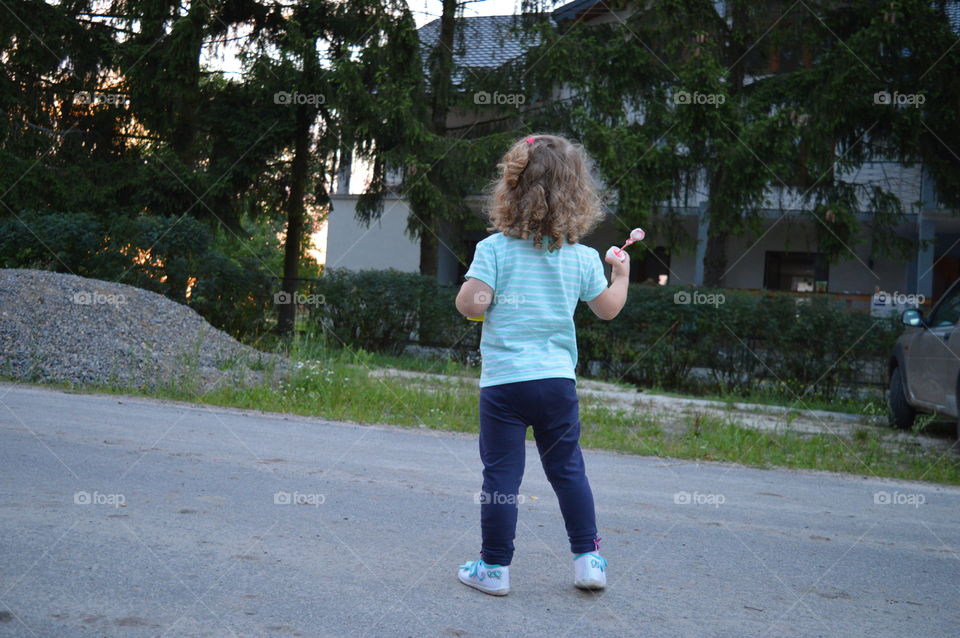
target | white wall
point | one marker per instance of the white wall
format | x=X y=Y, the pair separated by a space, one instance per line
x=384 y=244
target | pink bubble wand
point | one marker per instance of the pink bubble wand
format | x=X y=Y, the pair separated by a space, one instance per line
x=636 y=235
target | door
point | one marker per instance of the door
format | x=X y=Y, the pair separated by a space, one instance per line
x=936 y=354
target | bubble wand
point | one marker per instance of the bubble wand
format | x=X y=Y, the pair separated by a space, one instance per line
x=636 y=235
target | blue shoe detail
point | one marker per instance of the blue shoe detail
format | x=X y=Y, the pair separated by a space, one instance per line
x=473 y=568
x=596 y=560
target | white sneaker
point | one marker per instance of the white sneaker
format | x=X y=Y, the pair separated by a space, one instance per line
x=590 y=571
x=490 y=579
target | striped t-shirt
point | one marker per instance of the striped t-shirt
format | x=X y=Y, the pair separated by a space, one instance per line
x=528 y=330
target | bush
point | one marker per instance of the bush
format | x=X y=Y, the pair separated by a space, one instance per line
x=738 y=342
x=384 y=311
x=701 y=340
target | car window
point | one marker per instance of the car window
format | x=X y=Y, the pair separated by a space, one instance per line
x=948 y=310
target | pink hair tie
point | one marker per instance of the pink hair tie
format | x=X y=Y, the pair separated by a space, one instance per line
x=529 y=140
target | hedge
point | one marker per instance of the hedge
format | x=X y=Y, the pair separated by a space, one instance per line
x=684 y=339
x=386 y=310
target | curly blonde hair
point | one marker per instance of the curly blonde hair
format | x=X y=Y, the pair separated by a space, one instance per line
x=545 y=189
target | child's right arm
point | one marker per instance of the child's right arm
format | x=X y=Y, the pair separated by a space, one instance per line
x=609 y=303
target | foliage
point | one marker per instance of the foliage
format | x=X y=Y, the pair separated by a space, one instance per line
x=190 y=157
x=788 y=116
x=383 y=311
x=162 y=141
x=728 y=341
x=229 y=278
x=704 y=340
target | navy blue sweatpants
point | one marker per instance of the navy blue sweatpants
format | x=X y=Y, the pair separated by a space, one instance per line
x=551 y=407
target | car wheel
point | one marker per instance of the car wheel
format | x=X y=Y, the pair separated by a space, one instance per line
x=902 y=413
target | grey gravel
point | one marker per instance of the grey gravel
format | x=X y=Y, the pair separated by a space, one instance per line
x=60 y=328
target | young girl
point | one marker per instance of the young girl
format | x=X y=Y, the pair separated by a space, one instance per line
x=526 y=280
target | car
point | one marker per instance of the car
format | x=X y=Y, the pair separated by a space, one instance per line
x=924 y=366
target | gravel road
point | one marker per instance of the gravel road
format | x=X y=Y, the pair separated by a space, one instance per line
x=134 y=517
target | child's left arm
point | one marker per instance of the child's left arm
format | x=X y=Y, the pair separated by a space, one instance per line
x=474 y=298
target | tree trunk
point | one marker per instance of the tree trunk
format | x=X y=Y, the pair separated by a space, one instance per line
x=715 y=259
x=295 y=213
x=440 y=82
x=187 y=116
x=428 y=252
x=440 y=88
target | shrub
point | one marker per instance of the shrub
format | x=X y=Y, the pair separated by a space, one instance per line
x=384 y=311
x=725 y=341
x=804 y=347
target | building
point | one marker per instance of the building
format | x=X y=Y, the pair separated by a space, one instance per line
x=783 y=257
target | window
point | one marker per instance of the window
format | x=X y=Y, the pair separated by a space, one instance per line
x=796 y=272
x=948 y=310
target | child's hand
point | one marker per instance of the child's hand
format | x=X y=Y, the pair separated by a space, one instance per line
x=620 y=266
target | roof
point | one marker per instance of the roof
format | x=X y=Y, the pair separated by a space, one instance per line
x=572 y=10
x=481 y=41
x=952 y=9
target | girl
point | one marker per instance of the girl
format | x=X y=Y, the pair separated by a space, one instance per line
x=526 y=280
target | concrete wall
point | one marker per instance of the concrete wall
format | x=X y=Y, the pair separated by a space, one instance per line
x=384 y=244
x=852 y=275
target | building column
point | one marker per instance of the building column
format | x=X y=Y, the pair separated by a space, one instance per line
x=926 y=231
x=703 y=229
x=344 y=171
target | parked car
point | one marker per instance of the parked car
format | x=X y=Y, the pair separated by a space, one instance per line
x=925 y=363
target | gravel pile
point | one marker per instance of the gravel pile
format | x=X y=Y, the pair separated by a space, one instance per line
x=62 y=328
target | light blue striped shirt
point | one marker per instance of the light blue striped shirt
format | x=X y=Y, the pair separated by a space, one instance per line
x=528 y=330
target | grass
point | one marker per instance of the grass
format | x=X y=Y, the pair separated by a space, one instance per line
x=875 y=405
x=335 y=384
